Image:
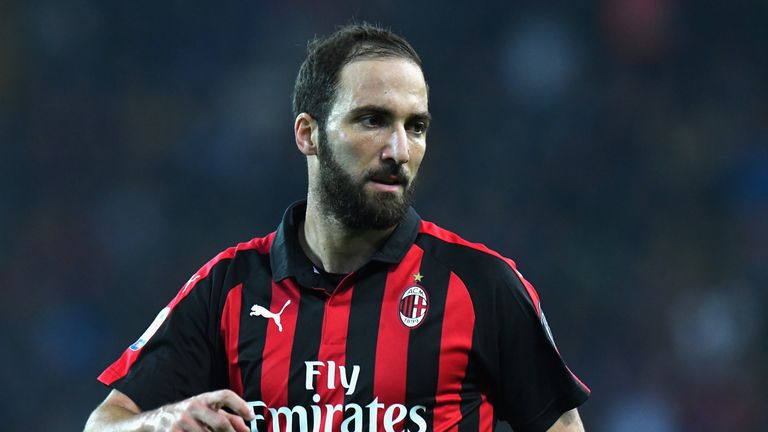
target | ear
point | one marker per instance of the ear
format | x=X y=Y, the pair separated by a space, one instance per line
x=305 y=131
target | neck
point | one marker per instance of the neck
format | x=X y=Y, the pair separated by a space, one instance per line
x=334 y=247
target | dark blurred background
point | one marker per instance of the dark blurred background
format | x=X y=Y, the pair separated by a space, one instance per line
x=616 y=149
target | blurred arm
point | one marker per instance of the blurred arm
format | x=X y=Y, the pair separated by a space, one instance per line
x=568 y=422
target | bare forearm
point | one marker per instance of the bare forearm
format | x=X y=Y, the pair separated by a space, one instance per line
x=112 y=418
x=207 y=411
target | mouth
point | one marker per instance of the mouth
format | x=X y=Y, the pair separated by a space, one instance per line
x=388 y=183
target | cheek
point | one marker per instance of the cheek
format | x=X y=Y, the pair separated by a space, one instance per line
x=355 y=160
x=346 y=148
x=362 y=152
x=417 y=152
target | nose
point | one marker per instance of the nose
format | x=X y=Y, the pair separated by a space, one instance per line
x=397 y=146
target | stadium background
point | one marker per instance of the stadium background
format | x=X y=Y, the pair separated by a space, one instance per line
x=617 y=150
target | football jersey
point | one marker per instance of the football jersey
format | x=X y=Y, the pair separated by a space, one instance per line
x=433 y=333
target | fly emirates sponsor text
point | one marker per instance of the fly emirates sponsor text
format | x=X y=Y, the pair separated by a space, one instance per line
x=289 y=419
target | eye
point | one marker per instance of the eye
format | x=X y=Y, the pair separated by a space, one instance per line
x=372 y=120
x=418 y=127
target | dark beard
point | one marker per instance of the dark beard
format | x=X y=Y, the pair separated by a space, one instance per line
x=346 y=200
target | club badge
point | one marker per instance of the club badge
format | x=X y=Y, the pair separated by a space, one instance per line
x=414 y=305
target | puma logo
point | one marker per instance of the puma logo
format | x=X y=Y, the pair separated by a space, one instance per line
x=257 y=310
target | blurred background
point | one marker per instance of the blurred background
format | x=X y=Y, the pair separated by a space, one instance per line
x=616 y=149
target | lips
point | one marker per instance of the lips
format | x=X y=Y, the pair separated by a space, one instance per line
x=388 y=183
x=389 y=180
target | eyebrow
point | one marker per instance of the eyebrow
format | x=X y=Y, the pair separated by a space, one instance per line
x=424 y=116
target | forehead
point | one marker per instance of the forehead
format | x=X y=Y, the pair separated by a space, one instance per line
x=392 y=83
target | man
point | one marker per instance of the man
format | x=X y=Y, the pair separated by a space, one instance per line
x=355 y=315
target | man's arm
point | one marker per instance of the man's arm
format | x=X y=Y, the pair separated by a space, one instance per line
x=568 y=422
x=201 y=413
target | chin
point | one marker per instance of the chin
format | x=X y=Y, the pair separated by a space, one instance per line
x=384 y=200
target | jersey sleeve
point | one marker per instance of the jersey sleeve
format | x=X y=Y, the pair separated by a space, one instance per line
x=535 y=387
x=176 y=357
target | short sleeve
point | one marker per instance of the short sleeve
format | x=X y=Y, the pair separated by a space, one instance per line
x=536 y=386
x=175 y=358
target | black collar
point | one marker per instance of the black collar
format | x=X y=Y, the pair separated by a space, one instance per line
x=288 y=259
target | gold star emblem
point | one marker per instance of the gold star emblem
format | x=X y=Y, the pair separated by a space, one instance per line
x=417 y=277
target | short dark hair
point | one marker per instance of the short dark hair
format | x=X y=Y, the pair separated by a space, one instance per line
x=318 y=79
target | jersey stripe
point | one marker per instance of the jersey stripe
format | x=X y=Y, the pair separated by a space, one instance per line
x=122 y=365
x=332 y=353
x=363 y=332
x=278 y=344
x=392 y=344
x=455 y=343
x=230 y=334
x=486 y=415
x=306 y=344
x=425 y=341
x=253 y=331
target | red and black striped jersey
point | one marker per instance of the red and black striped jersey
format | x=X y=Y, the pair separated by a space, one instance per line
x=433 y=333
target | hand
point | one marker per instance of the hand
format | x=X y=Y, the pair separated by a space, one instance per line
x=205 y=412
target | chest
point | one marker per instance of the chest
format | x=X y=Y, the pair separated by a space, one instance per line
x=386 y=337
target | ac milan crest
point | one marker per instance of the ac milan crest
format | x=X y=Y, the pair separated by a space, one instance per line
x=414 y=305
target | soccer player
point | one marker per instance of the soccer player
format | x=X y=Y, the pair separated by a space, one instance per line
x=355 y=314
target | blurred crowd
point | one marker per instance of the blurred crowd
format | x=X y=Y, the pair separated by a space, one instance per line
x=616 y=149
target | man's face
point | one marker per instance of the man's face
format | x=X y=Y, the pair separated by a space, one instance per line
x=373 y=142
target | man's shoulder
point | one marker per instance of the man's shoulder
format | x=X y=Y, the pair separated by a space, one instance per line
x=260 y=245
x=257 y=245
x=477 y=265
x=450 y=247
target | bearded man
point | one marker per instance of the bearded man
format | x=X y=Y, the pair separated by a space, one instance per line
x=355 y=314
